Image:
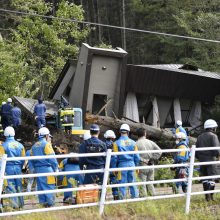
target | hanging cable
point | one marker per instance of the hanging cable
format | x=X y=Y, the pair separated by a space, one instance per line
x=109 y=26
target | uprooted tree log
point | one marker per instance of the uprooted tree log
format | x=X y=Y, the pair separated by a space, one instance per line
x=114 y=124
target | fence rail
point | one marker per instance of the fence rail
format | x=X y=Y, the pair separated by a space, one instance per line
x=105 y=184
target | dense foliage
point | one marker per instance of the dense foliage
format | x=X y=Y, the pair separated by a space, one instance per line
x=34 y=49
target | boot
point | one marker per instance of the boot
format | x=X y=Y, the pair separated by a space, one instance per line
x=116 y=197
x=206 y=188
x=212 y=194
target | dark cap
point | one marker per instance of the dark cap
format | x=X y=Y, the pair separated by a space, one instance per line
x=94 y=127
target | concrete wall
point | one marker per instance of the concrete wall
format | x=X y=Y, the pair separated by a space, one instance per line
x=105 y=72
x=77 y=89
x=65 y=82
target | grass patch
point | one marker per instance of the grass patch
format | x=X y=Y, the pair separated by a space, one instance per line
x=152 y=210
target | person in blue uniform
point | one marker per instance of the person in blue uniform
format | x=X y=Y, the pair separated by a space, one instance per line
x=93 y=145
x=181 y=157
x=6 y=114
x=16 y=115
x=179 y=128
x=123 y=144
x=109 y=140
x=13 y=148
x=69 y=181
x=41 y=148
x=40 y=113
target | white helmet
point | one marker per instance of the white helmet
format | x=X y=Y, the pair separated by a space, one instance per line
x=86 y=136
x=180 y=135
x=179 y=123
x=124 y=127
x=210 y=123
x=109 y=134
x=3 y=103
x=9 y=132
x=9 y=100
x=43 y=131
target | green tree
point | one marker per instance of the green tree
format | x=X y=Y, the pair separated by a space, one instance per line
x=45 y=43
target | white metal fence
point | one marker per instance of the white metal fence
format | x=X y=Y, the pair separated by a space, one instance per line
x=105 y=184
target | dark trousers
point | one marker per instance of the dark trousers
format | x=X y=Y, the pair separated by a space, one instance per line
x=91 y=178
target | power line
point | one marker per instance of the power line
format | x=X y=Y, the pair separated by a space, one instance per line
x=109 y=26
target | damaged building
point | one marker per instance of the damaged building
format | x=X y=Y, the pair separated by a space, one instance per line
x=157 y=95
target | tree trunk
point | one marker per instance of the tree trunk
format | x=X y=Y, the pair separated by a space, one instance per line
x=114 y=124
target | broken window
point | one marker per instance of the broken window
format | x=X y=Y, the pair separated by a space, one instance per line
x=98 y=102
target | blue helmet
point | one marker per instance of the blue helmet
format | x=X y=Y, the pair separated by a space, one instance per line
x=94 y=127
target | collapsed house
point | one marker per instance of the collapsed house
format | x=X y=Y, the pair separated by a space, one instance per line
x=157 y=95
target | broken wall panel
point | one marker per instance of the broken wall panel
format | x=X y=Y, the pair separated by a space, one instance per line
x=131 y=107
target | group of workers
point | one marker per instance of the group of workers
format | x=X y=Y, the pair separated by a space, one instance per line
x=10 y=115
x=92 y=144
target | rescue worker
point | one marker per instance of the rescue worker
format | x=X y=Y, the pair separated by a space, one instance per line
x=13 y=148
x=123 y=144
x=41 y=148
x=181 y=158
x=109 y=140
x=179 y=128
x=40 y=113
x=208 y=139
x=149 y=159
x=93 y=145
x=6 y=114
x=16 y=115
x=69 y=181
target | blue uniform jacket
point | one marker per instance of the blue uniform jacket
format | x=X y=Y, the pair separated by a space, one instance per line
x=40 y=110
x=92 y=145
x=16 y=112
x=13 y=148
x=181 y=129
x=6 y=109
x=42 y=148
x=124 y=143
x=182 y=156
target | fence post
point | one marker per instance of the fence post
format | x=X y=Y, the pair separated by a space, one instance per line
x=2 y=174
x=189 y=190
x=105 y=182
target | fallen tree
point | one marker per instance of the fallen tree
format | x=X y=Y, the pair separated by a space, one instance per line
x=115 y=123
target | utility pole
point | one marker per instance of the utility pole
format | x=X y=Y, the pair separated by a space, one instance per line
x=123 y=21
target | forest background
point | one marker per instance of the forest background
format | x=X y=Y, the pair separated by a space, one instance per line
x=34 y=49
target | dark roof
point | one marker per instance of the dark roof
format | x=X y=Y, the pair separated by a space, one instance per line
x=170 y=81
x=61 y=77
x=27 y=105
x=178 y=68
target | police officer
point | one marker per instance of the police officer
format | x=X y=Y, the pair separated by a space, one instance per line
x=6 y=113
x=181 y=157
x=179 y=128
x=68 y=181
x=41 y=148
x=40 y=112
x=93 y=145
x=16 y=115
x=208 y=139
x=109 y=139
x=13 y=148
x=124 y=143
